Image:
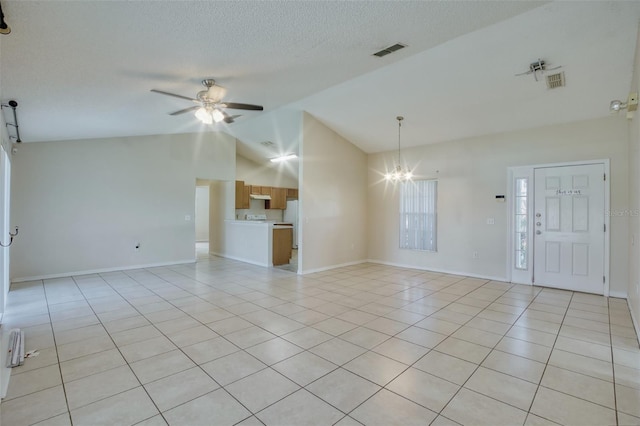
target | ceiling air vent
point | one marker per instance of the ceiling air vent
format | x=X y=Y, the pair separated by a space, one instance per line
x=267 y=143
x=390 y=49
x=555 y=80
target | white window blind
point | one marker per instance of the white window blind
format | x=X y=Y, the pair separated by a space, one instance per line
x=418 y=216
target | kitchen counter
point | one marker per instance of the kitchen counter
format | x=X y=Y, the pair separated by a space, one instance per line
x=251 y=241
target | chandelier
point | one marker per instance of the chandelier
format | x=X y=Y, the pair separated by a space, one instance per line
x=399 y=173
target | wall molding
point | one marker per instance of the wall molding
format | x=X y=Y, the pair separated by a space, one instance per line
x=618 y=294
x=327 y=268
x=100 y=271
x=443 y=271
x=634 y=320
x=240 y=259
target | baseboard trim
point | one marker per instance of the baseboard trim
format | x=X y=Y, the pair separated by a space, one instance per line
x=634 y=320
x=240 y=259
x=100 y=271
x=442 y=271
x=327 y=268
x=618 y=294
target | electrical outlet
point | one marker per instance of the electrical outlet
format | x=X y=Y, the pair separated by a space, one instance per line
x=491 y=221
x=476 y=255
x=136 y=247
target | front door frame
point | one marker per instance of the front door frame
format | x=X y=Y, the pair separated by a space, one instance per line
x=526 y=277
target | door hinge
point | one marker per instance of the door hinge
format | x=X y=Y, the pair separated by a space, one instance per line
x=605 y=227
x=603 y=279
x=605 y=176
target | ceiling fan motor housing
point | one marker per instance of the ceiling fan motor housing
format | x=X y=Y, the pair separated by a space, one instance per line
x=213 y=94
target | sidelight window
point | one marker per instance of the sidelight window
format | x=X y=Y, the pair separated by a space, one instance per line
x=522 y=224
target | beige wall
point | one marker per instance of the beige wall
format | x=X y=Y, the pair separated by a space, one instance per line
x=202 y=213
x=333 y=194
x=634 y=201
x=472 y=172
x=219 y=192
x=81 y=205
x=253 y=173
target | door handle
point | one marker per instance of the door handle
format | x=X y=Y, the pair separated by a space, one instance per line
x=538 y=232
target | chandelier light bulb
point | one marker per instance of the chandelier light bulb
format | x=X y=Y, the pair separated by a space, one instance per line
x=399 y=174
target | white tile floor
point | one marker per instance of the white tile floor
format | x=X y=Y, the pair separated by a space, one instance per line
x=221 y=343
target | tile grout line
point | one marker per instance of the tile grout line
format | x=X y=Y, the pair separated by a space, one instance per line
x=411 y=365
x=177 y=347
x=183 y=287
x=119 y=351
x=341 y=367
x=548 y=359
x=53 y=334
x=485 y=357
x=613 y=367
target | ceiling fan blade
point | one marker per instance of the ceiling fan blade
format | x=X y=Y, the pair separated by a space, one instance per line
x=234 y=105
x=182 y=111
x=174 y=95
x=230 y=118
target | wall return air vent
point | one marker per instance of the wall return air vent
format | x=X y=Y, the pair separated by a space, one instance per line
x=555 y=81
x=390 y=49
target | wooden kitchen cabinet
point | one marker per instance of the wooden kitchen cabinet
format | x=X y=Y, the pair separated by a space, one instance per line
x=242 y=195
x=255 y=190
x=292 y=193
x=265 y=190
x=246 y=199
x=278 y=199
x=282 y=243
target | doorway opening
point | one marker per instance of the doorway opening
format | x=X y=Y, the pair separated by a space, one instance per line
x=5 y=207
x=202 y=220
x=214 y=202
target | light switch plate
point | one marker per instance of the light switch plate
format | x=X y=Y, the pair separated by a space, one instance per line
x=187 y=217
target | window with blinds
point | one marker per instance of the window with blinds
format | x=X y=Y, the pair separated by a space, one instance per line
x=418 y=217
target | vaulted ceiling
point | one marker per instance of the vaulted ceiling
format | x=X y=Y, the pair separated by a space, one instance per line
x=84 y=69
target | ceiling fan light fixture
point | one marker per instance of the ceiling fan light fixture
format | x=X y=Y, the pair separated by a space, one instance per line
x=209 y=106
x=217 y=115
x=204 y=115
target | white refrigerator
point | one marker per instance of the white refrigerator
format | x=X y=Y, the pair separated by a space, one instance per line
x=291 y=216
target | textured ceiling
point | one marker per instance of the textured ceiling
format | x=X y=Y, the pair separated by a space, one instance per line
x=467 y=86
x=84 y=69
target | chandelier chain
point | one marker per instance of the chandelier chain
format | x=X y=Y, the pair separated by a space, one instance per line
x=399 y=173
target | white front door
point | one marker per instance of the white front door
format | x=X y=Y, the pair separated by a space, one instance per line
x=569 y=234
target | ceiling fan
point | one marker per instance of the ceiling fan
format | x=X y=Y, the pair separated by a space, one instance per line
x=210 y=106
x=539 y=66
